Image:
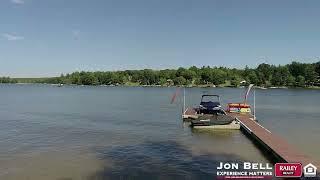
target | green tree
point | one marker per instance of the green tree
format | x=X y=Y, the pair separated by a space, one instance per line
x=280 y=76
x=296 y=69
x=189 y=75
x=5 y=80
x=301 y=81
x=235 y=80
x=291 y=80
x=75 y=78
x=264 y=72
x=163 y=81
x=294 y=74
x=105 y=78
x=217 y=76
x=205 y=75
x=116 y=78
x=195 y=70
x=246 y=71
x=317 y=68
x=149 y=77
x=253 y=78
x=88 y=78
x=179 y=80
x=310 y=74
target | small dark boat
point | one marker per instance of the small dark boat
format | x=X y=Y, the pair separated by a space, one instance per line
x=210 y=114
x=209 y=105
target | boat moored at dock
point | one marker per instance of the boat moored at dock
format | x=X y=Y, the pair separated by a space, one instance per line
x=210 y=114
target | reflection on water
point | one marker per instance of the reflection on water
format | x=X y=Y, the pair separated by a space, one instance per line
x=225 y=141
x=159 y=160
x=51 y=165
x=218 y=133
x=91 y=133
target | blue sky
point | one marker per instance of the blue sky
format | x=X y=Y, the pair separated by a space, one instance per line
x=48 y=37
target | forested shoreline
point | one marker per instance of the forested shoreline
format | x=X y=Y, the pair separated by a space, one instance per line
x=291 y=75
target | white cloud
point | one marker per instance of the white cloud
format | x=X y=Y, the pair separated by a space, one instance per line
x=17 y=1
x=11 y=37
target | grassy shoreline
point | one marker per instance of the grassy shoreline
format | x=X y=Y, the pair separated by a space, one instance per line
x=166 y=86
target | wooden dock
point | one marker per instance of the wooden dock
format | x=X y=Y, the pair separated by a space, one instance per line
x=273 y=143
x=270 y=142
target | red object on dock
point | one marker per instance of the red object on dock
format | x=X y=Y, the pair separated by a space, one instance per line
x=239 y=107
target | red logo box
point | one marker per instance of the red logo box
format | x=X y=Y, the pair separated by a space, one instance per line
x=288 y=170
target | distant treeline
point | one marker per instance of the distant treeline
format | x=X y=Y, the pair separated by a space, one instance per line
x=7 y=80
x=291 y=75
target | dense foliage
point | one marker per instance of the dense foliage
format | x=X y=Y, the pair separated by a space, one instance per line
x=294 y=74
x=7 y=80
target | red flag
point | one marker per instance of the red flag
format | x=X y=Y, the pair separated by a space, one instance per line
x=175 y=95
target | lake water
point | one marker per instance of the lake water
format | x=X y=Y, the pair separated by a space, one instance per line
x=80 y=132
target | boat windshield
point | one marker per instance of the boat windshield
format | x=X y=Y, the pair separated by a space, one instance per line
x=210 y=98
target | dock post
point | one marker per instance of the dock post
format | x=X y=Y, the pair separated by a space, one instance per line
x=254 y=103
x=184 y=99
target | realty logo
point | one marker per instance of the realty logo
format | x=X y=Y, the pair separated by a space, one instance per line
x=289 y=170
x=310 y=170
